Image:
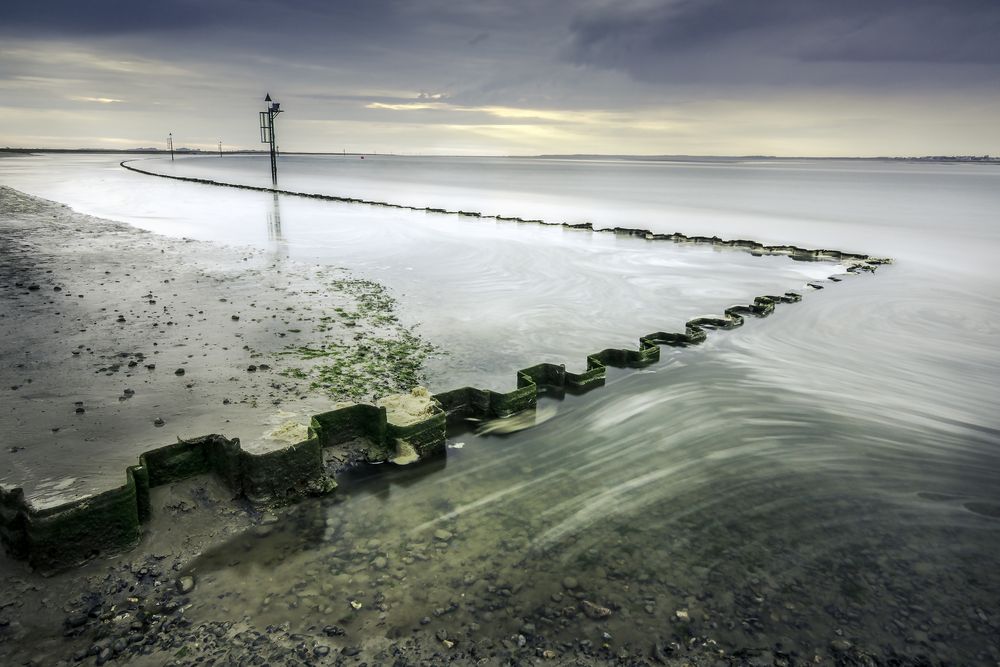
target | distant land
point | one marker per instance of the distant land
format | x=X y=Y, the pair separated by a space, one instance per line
x=980 y=159
x=707 y=158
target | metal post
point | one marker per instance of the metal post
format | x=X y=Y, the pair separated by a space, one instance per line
x=274 y=156
x=170 y=142
x=267 y=134
x=220 y=147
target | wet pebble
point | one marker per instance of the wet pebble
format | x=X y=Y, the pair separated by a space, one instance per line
x=185 y=585
x=594 y=611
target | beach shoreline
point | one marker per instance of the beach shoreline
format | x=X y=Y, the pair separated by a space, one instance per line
x=118 y=340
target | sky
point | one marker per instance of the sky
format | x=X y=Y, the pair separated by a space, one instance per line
x=507 y=77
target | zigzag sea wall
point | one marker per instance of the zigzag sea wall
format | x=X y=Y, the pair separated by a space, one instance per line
x=62 y=536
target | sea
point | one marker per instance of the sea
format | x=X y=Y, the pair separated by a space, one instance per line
x=819 y=483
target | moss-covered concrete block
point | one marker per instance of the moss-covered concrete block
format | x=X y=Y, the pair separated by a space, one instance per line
x=285 y=474
x=72 y=533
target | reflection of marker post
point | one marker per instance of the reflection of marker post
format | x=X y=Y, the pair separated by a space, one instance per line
x=274 y=221
x=267 y=133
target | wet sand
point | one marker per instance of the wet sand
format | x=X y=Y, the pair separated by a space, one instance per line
x=115 y=341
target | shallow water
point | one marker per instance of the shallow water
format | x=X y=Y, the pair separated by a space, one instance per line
x=495 y=296
x=827 y=474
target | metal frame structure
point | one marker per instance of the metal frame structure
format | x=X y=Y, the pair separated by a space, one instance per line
x=267 y=133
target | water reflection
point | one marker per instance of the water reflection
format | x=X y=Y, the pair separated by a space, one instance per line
x=275 y=236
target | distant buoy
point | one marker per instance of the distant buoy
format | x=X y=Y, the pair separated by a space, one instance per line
x=362 y=157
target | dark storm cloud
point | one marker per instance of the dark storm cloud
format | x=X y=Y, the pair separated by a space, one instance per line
x=79 y=18
x=772 y=40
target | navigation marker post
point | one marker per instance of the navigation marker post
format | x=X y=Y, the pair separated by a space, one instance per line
x=170 y=143
x=267 y=133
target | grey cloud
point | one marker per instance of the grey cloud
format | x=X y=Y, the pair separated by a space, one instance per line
x=775 y=40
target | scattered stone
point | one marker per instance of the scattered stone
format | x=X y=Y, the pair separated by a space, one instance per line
x=594 y=611
x=179 y=371
x=76 y=620
x=185 y=585
x=158 y=422
x=569 y=583
x=840 y=645
x=442 y=535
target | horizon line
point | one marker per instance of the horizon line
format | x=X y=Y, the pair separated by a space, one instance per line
x=984 y=157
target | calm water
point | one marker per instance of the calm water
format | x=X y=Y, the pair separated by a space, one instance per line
x=825 y=475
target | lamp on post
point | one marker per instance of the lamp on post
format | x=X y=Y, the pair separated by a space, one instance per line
x=267 y=133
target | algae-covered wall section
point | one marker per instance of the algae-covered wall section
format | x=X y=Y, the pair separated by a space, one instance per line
x=62 y=536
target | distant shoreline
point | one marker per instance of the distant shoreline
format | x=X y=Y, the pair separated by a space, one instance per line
x=936 y=159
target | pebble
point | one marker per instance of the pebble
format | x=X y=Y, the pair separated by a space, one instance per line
x=185 y=585
x=442 y=535
x=840 y=645
x=158 y=422
x=569 y=583
x=179 y=371
x=594 y=611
